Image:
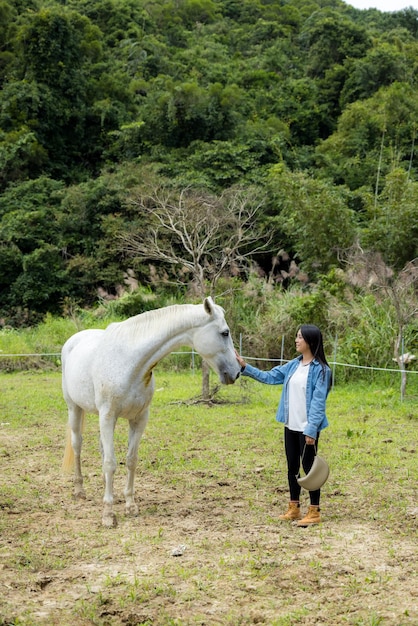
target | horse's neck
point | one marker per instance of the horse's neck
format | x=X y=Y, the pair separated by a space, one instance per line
x=173 y=332
x=159 y=332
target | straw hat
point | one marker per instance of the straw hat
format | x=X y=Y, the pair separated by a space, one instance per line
x=316 y=476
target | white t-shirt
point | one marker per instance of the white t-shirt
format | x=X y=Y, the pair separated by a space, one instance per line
x=298 y=418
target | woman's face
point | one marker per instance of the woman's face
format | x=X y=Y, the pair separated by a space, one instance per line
x=301 y=345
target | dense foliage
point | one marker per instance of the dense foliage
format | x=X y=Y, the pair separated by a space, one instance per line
x=314 y=103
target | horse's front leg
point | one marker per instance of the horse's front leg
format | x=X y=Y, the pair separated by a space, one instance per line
x=136 y=429
x=107 y=429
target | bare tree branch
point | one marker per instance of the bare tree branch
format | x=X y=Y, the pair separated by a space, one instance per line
x=197 y=231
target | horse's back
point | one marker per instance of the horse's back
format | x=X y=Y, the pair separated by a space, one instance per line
x=86 y=337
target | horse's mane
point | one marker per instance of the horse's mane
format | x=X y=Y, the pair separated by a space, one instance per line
x=177 y=316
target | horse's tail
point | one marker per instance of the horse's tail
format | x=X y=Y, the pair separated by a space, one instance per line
x=68 y=460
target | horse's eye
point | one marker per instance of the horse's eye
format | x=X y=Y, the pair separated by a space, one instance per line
x=225 y=333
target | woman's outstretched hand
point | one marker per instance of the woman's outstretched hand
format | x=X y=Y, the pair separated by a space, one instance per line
x=240 y=359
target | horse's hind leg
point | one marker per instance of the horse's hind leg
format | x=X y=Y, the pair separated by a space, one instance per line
x=76 y=423
x=136 y=428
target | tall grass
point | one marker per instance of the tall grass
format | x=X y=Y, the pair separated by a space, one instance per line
x=358 y=330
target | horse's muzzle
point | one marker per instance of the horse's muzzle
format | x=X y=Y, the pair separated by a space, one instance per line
x=227 y=379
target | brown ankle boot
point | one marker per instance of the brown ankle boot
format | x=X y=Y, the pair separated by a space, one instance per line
x=293 y=512
x=311 y=517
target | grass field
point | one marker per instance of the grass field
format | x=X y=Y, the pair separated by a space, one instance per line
x=207 y=547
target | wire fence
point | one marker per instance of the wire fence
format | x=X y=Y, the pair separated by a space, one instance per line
x=194 y=365
x=193 y=354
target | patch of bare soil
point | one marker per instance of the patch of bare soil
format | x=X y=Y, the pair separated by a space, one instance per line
x=213 y=553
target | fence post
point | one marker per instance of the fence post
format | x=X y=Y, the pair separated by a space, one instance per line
x=403 y=372
x=334 y=360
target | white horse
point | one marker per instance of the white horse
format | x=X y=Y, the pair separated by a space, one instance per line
x=110 y=373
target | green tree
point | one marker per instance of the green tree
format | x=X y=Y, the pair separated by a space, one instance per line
x=193 y=11
x=372 y=137
x=40 y=286
x=8 y=16
x=393 y=226
x=331 y=38
x=181 y=113
x=21 y=156
x=59 y=90
x=30 y=237
x=381 y=66
x=315 y=218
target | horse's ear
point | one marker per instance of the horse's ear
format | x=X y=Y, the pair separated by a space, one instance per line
x=209 y=305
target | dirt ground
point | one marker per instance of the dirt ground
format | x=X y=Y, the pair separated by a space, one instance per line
x=207 y=547
x=204 y=555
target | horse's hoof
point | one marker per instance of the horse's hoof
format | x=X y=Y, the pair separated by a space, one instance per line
x=132 y=510
x=80 y=495
x=109 y=520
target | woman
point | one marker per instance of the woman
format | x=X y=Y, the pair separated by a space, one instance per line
x=306 y=382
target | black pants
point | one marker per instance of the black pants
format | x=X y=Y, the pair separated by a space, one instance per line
x=294 y=443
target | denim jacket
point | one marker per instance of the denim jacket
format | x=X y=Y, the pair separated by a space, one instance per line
x=317 y=388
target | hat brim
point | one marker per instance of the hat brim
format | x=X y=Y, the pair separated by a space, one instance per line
x=317 y=475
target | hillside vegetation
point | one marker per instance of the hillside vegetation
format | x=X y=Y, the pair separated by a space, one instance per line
x=300 y=115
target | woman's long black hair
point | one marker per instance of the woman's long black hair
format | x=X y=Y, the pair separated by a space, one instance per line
x=313 y=337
